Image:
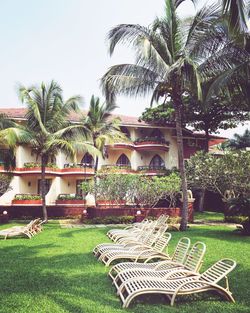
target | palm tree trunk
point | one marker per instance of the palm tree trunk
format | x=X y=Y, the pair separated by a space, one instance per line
x=44 y=161
x=178 y=118
x=95 y=177
x=203 y=190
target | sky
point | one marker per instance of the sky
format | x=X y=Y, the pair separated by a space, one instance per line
x=65 y=40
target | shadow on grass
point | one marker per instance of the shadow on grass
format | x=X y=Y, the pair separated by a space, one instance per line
x=58 y=269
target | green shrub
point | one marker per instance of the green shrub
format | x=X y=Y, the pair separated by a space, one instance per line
x=110 y=220
x=35 y=164
x=27 y=197
x=235 y=219
x=70 y=197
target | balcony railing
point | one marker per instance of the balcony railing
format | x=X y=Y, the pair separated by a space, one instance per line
x=78 y=165
x=117 y=166
x=151 y=140
x=151 y=168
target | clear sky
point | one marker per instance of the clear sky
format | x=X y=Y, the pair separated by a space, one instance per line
x=65 y=40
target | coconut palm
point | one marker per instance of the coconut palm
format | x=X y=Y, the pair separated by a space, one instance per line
x=10 y=134
x=236 y=13
x=48 y=129
x=172 y=58
x=99 y=127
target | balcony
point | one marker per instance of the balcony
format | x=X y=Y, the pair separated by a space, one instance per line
x=114 y=168
x=78 y=168
x=35 y=168
x=64 y=199
x=24 y=199
x=152 y=170
x=151 y=143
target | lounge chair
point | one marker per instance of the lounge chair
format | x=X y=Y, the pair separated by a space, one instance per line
x=167 y=269
x=117 y=234
x=178 y=257
x=140 y=253
x=186 y=286
x=28 y=230
x=146 y=239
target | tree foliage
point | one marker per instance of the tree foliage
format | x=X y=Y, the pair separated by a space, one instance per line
x=227 y=175
x=136 y=189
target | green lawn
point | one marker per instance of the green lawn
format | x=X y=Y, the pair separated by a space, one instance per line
x=208 y=217
x=56 y=272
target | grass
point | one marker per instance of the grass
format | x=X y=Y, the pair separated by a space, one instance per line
x=209 y=217
x=56 y=272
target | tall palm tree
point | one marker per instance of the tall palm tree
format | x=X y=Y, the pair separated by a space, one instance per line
x=239 y=142
x=48 y=129
x=172 y=58
x=99 y=127
x=236 y=13
x=10 y=135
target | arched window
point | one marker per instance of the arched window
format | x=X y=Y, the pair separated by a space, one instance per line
x=123 y=160
x=88 y=159
x=157 y=162
x=125 y=131
x=157 y=133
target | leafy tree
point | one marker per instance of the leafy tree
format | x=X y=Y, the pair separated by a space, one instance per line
x=4 y=183
x=48 y=129
x=227 y=175
x=239 y=142
x=172 y=58
x=219 y=113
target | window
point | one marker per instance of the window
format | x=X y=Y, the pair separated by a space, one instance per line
x=157 y=134
x=4 y=155
x=125 y=131
x=157 y=162
x=123 y=161
x=47 y=186
x=88 y=159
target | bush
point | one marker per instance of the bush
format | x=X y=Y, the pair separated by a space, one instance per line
x=28 y=197
x=110 y=220
x=235 y=219
x=35 y=164
x=69 y=197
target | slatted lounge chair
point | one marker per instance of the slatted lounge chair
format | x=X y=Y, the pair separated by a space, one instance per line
x=15 y=232
x=178 y=257
x=140 y=253
x=128 y=229
x=115 y=235
x=208 y=281
x=140 y=225
x=147 y=239
x=28 y=230
x=167 y=269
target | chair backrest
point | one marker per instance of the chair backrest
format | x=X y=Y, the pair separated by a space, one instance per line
x=162 y=220
x=181 y=250
x=218 y=271
x=194 y=259
x=162 y=242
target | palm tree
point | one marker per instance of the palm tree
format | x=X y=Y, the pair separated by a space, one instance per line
x=48 y=129
x=172 y=59
x=236 y=13
x=239 y=142
x=99 y=127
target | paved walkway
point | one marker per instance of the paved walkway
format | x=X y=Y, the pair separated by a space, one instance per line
x=70 y=223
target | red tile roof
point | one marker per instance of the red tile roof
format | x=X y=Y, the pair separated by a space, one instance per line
x=125 y=120
x=74 y=117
